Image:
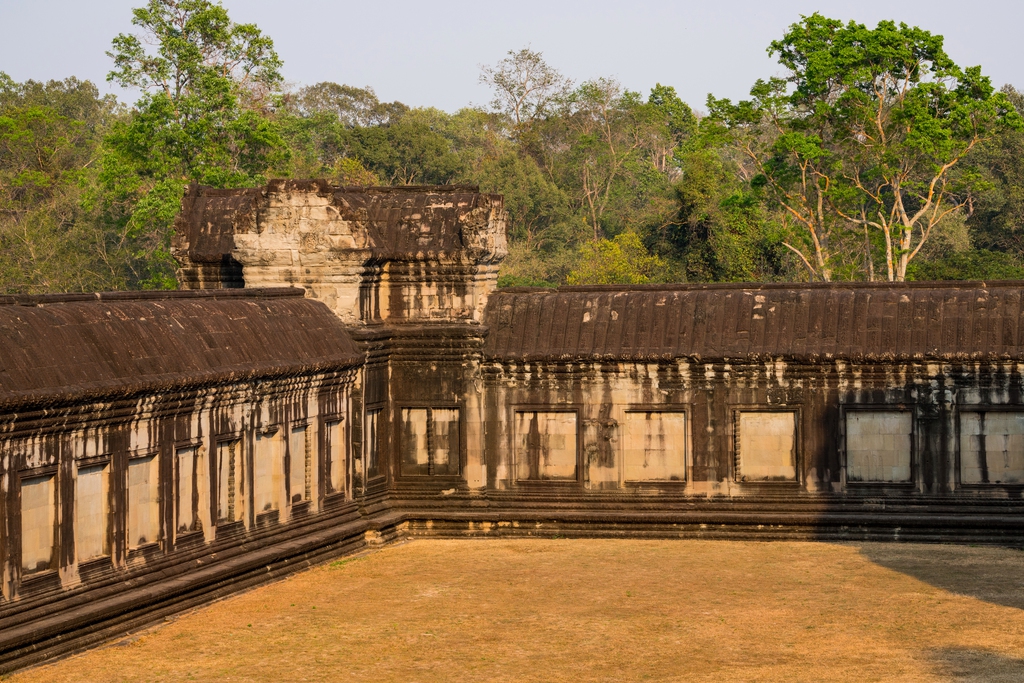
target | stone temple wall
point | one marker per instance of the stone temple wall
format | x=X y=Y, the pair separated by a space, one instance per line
x=839 y=399
x=157 y=449
x=851 y=389
x=339 y=370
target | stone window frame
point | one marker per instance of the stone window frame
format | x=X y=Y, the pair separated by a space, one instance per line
x=197 y=529
x=915 y=456
x=687 y=410
x=268 y=431
x=42 y=578
x=379 y=480
x=100 y=460
x=305 y=504
x=323 y=458
x=577 y=410
x=963 y=407
x=798 y=444
x=242 y=458
x=440 y=405
x=150 y=547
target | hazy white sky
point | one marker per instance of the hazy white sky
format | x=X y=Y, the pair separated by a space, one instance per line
x=428 y=53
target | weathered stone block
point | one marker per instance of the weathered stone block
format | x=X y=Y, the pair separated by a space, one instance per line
x=654 y=446
x=992 y=447
x=38 y=513
x=545 y=445
x=92 y=521
x=766 y=446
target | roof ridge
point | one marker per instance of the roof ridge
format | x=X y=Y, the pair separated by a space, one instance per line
x=151 y=295
x=697 y=286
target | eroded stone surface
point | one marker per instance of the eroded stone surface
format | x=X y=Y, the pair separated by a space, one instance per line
x=370 y=254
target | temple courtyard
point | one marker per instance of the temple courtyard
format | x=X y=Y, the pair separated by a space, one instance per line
x=587 y=610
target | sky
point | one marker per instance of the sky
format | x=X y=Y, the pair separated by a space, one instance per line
x=430 y=53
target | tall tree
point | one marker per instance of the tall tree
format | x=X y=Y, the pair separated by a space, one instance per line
x=408 y=151
x=616 y=162
x=869 y=130
x=207 y=83
x=678 y=122
x=526 y=87
x=723 y=233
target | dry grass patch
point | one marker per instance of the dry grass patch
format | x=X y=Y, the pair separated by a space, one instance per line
x=574 y=610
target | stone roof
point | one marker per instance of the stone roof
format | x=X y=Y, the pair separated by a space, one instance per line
x=72 y=347
x=209 y=218
x=857 y=321
x=397 y=223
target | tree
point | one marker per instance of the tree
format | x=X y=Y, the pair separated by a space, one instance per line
x=318 y=123
x=408 y=151
x=615 y=142
x=622 y=260
x=679 y=121
x=795 y=174
x=723 y=233
x=353 y=107
x=199 y=50
x=976 y=264
x=996 y=211
x=596 y=160
x=208 y=84
x=50 y=237
x=869 y=131
x=538 y=211
x=525 y=87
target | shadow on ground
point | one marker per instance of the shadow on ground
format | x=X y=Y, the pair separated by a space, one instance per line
x=995 y=575
x=965 y=665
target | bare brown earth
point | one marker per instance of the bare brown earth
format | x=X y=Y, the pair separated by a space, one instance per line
x=583 y=610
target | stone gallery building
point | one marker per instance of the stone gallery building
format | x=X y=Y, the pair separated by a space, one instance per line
x=339 y=370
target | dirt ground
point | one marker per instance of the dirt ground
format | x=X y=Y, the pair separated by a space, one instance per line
x=587 y=610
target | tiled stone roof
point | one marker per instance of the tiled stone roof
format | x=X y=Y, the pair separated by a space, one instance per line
x=954 y=320
x=58 y=347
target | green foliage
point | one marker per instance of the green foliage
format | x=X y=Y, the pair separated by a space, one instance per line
x=317 y=143
x=675 y=114
x=539 y=214
x=406 y=152
x=997 y=207
x=970 y=265
x=526 y=88
x=872 y=156
x=197 y=46
x=868 y=132
x=352 y=107
x=50 y=237
x=524 y=264
x=724 y=233
x=610 y=152
x=522 y=281
x=207 y=83
x=622 y=260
